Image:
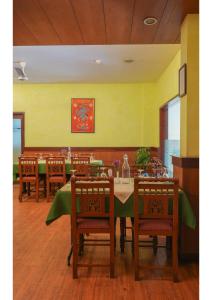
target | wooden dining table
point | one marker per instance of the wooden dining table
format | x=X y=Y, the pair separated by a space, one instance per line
x=123 y=206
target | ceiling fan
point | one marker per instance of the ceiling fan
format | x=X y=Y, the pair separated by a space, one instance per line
x=19 y=67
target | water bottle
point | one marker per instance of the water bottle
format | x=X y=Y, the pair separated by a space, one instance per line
x=125 y=168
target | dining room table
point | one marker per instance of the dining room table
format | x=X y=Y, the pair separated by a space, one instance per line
x=123 y=203
x=123 y=206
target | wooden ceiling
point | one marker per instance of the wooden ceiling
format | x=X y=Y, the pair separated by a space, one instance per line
x=76 y=22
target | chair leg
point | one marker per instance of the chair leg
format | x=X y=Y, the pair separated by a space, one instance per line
x=81 y=244
x=20 y=191
x=115 y=236
x=122 y=232
x=37 y=190
x=155 y=244
x=175 y=258
x=132 y=244
x=47 y=191
x=69 y=256
x=136 y=254
x=112 y=256
x=75 y=256
x=28 y=188
x=71 y=249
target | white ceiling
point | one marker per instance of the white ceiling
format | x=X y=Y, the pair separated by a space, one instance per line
x=76 y=64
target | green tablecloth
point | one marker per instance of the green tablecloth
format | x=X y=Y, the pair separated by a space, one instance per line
x=61 y=205
x=42 y=167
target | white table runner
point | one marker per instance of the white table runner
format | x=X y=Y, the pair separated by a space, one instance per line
x=122 y=190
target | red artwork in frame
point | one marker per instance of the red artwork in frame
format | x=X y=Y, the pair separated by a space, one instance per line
x=83 y=115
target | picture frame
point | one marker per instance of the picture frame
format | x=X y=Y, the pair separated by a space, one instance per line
x=82 y=115
x=183 y=80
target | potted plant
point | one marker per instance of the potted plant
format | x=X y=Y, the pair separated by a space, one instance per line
x=143 y=156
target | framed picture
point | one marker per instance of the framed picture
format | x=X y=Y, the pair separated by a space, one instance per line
x=82 y=115
x=182 y=81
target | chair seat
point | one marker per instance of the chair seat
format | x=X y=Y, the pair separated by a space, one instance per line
x=84 y=223
x=29 y=178
x=56 y=179
x=152 y=225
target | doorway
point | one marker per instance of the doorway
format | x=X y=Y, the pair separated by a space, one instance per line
x=18 y=135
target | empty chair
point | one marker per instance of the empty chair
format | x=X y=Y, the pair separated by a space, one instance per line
x=91 y=194
x=156 y=218
x=81 y=165
x=28 y=173
x=55 y=172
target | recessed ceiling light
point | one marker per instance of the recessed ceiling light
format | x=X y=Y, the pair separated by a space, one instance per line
x=128 y=60
x=98 y=61
x=150 y=21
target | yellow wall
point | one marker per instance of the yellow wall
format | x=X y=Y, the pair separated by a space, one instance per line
x=190 y=102
x=167 y=83
x=163 y=90
x=126 y=114
x=118 y=111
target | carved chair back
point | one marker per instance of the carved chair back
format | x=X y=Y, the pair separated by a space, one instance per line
x=156 y=193
x=55 y=166
x=81 y=165
x=28 y=166
x=90 y=197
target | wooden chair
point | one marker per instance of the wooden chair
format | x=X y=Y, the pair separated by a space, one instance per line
x=28 y=173
x=151 y=241
x=91 y=194
x=156 y=218
x=55 y=172
x=81 y=165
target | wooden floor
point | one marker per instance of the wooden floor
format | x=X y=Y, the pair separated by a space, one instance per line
x=41 y=272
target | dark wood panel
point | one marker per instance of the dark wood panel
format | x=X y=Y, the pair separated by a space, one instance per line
x=169 y=26
x=118 y=19
x=62 y=18
x=22 y=34
x=107 y=154
x=174 y=13
x=141 y=33
x=90 y=16
x=48 y=22
x=36 y=20
x=187 y=170
x=185 y=162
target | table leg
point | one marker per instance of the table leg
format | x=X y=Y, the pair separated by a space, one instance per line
x=122 y=233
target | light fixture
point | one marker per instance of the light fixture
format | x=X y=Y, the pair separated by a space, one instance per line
x=150 y=21
x=19 y=67
x=98 y=61
x=128 y=60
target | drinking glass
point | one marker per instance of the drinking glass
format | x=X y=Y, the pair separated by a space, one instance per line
x=165 y=172
x=140 y=172
x=103 y=174
x=73 y=172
